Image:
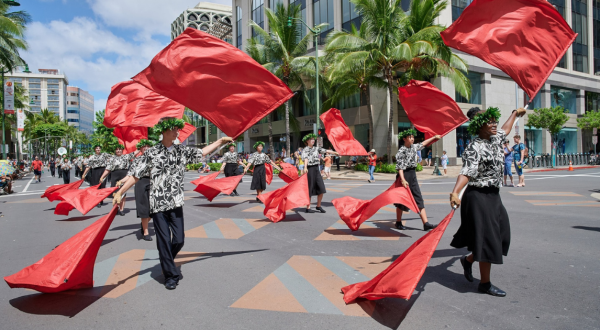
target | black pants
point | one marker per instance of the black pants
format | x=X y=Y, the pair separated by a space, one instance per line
x=52 y=171
x=77 y=171
x=166 y=224
x=337 y=162
x=66 y=175
x=60 y=172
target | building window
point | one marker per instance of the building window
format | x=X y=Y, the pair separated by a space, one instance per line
x=70 y=120
x=361 y=134
x=299 y=25
x=53 y=104
x=592 y=101
x=536 y=103
x=564 y=97
x=53 y=98
x=274 y=3
x=309 y=109
x=580 y=26
x=560 y=7
x=35 y=109
x=238 y=26
x=458 y=6
x=347 y=102
x=53 y=81
x=55 y=110
x=567 y=141
x=53 y=86
x=463 y=138
x=35 y=86
x=475 y=79
x=596 y=35
x=533 y=140
x=405 y=4
x=53 y=92
x=258 y=12
x=73 y=111
x=323 y=13
x=35 y=80
x=350 y=16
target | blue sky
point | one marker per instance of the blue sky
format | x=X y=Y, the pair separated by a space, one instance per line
x=98 y=43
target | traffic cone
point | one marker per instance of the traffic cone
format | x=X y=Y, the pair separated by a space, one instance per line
x=570 y=165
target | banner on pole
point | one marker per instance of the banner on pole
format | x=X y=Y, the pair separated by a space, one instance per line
x=20 y=120
x=9 y=98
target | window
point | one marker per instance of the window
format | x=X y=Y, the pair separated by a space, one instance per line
x=563 y=97
x=405 y=4
x=309 y=109
x=35 y=80
x=258 y=14
x=52 y=97
x=299 y=25
x=560 y=7
x=34 y=102
x=596 y=34
x=567 y=141
x=17 y=80
x=53 y=92
x=475 y=79
x=275 y=3
x=53 y=109
x=192 y=17
x=35 y=92
x=52 y=86
x=463 y=138
x=53 y=104
x=351 y=101
x=70 y=120
x=458 y=6
x=361 y=134
x=53 y=81
x=533 y=139
x=350 y=16
x=536 y=103
x=35 y=86
x=35 y=109
x=323 y=13
x=580 y=26
x=238 y=27
x=592 y=101
x=73 y=111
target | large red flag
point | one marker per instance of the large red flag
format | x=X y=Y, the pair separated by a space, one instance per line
x=53 y=193
x=289 y=172
x=429 y=109
x=84 y=200
x=400 y=279
x=340 y=135
x=524 y=38
x=186 y=131
x=130 y=136
x=269 y=173
x=70 y=265
x=277 y=202
x=356 y=211
x=205 y=178
x=211 y=189
x=216 y=80
x=131 y=104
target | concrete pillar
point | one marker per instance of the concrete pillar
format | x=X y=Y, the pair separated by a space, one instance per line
x=246 y=14
x=310 y=21
x=590 y=41
x=380 y=109
x=247 y=145
x=568 y=18
x=337 y=15
x=486 y=91
x=448 y=142
x=580 y=102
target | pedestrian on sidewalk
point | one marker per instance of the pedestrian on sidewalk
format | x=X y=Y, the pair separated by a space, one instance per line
x=336 y=160
x=445 y=163
x=519 y=158
x=508 y=160
x=52 y=166
x=327 y=161
x=429 y=156
x=372 y=156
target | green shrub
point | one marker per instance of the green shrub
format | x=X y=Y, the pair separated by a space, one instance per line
x=214 y=166
x=385 y=168
x=361 y=167
x=419 y=168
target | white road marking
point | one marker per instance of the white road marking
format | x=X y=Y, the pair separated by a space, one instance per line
x=28 y=183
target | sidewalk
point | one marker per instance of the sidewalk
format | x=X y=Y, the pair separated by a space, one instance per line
x=560 y=168
x=426 y=174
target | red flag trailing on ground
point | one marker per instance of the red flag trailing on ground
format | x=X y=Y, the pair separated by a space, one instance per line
x=429 y=109
x=211 y=189
x=131 y=104
x=400 y=279
x=216 y=80
x=53 y=193
x=205 y=178
x=186 y=131
x=524 y=38
x=269 y=173
x=130 y=137
x=340 y=135
x=277 y=202
x=356 y=211
x=288 y=172
x=70 y=265
x=82 y=199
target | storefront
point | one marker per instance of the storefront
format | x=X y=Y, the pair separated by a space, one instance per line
x=567 y=141
x=533 y=140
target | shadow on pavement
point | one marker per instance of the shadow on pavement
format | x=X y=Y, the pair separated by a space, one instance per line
x=218 y=205
x=587 y=228
x=110 y=240
x=79 y=218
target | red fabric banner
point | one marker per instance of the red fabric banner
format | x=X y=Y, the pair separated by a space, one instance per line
x=205 y=178
x=186 y=131
x=84 y=200
x=53 y=193
x=289 y=172
x=269 y=173
x=211 y=189
x=340 y=135
x=293 y=195
x=216 y=80
x=70 y=265
x=524 y=38
x=130 y=137
x=432 y=111
x=400 y=279
x=131 y=104
x=356 y=211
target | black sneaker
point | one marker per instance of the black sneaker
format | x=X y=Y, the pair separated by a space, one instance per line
x=147 y=238
x=490 y=289
x=400 y=226
x=171 y=285
x=427 y=226
x=310 y=211
x=467 y=268
x=320 y=209
x=236 y=193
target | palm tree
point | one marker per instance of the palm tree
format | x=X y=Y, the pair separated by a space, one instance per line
x=12 y=27
x=401 y=46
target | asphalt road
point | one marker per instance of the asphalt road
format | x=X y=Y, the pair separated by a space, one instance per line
x=243 y=272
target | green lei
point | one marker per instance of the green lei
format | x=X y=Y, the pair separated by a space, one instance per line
x=308 y=137
x=258 y=143
x=168 y=124
x=143 y=143
x=483 y=118
x=406 y=133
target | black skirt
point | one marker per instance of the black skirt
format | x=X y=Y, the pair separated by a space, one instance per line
x=484 y=227
x=95 y=175
x=142 y=198
x=116 y=176
x=315 y=181
x=231 y=169
x=410 y=175
x=259 y=178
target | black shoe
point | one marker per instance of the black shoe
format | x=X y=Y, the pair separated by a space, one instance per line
x=427 y=226
x=310 y=211
x=121 y=213
x=320 y=209
x=236 y=193
x=258 y=200
x=491 y=290
x=231 y=195
x=99 y=205
x=147 y=238
x=142 y=228
x=468 y=268
x=171 y=285
x=400 y=226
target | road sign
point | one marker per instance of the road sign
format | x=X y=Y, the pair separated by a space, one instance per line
x=595 y=130
x=594 y=139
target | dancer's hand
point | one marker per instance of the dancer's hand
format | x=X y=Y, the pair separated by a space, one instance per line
x=117 y=197
x=437 y=137
x=405 y=183
x=521 y=112
x=226 y=139
x=454 y=200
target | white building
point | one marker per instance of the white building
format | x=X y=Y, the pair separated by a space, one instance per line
x=80 y=109
x=205 y=17
x=46 y=89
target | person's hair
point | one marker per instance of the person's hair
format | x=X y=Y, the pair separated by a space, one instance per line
x=517 y=136
x=472 y=112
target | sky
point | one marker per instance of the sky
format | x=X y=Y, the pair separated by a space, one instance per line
x=99 y=43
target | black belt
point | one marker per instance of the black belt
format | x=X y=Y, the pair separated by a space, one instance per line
x=410 y=169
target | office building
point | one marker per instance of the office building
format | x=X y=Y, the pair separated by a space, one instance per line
x=46 y=89
x=211 y=18
x=80 y=109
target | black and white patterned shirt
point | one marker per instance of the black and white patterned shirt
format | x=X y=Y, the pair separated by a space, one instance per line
x=258 y=158
x=100 y=160
x=407 y=157
x=167 y=169
x=310 y=156
x=483 y=161
x=134 y=165
x=230 y=158
x=65 y=165
x=119 y=162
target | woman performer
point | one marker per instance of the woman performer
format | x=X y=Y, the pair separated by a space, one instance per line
x=230 y=164
x=52 y=165
x=65 y=168
x=96 y=166
x=310 y=156
x=118 y=166
x=406 y=163
x=484 y=227
x=259 y=176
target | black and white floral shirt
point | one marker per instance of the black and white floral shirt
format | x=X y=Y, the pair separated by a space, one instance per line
x=65 y=165
x=310 y=156
x=258 y=158
x=407 y=157
x=483 y=161
x=120 y=162
x=134 y=165
x=167 y=169
x=100 y=160
x=230 y=158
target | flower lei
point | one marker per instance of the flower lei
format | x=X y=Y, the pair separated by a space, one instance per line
x=258 y=143
x=483 y=118
x=168 y=124
x=406 y=133
x=234 y=145
x=308 y=137
x=143 y=143
x=120 y=146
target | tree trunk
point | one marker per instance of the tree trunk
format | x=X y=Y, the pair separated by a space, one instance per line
x=370 y=113
x=287 y=127
x=391 y=117
x=271 y=146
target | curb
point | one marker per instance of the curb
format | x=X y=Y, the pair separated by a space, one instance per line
x=563 y=169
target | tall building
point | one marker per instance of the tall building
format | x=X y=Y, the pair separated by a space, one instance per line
x=574 y=84
x=208 y=17
x=46 y=89
x=80 y=109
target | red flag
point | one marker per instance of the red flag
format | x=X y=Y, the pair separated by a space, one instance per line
x=53 y=193
x=289 y=172
x=205 y=178
x=429 y=109
x=356 y=211
x=340 y=135
x=269 y=173
x=131 y=104
x=186 y=131
x=70 y=265
x=211 y=189
x=524 y=38
x=84 y=200
x=286 y=198
x=130 y=137
x=216 y=80
x=400 y=279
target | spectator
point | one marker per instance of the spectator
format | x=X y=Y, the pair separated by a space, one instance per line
x=336 y=160
x=508 y=160
x=327 y=166
x=519 y=158
x=37 y=168
x=429 y=155
x=6 y=184
x=445 y=162
x=283 y=153
x=372 y=164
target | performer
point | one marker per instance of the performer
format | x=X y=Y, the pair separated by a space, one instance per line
x=97 y=164
x=65 y=167
x=406 y=163
x=166 y=163
x=118 y=166
x=52 y=165
x=84 y=167
x=231 y=164
x=259 y=176
x=484 y=227
x=310 y=156
x=59 y=161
